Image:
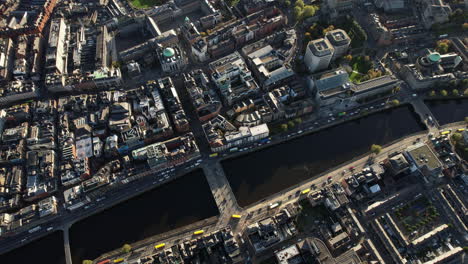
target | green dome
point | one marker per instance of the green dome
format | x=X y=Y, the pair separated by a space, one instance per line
x=168 y=52
x=434 y=57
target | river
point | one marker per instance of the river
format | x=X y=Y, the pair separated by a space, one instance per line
x=181 y=202
x=49 y=249
x=257 y=175
x=448 y=111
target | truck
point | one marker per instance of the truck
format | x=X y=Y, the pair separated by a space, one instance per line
x=443 y=36
x=234 y=149
x=274 y=205
x=34 y=229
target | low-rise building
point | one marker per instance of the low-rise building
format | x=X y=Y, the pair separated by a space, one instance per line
x=169 y=153
x=233 y=79
x=18 y=90
x=171 y=58
x=222 y=135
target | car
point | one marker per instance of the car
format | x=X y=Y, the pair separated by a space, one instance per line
x=371 y=107
x=415 y=95
x=382 y=104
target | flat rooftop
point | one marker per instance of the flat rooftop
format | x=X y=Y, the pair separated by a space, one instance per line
x=423 y=155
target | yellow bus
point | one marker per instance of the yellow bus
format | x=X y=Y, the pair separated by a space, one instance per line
x=236 y=216
x=158 y=246
x=445 y=133
x=198 y=232
x=118 y=260
x=213 y=155
x=461 y=130
x=306 y=191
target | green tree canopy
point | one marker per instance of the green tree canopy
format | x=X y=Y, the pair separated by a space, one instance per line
x=457 y=137
x=455 y=92
x=299 y=3
x=126 y=248
x=307 y=11
x=376 y=148
x=443 y=93
x=284 y=127
x=87 y=261
x=297 y=12
x=395 y=102
x=432 y=93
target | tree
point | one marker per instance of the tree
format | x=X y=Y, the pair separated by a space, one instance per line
x=308 y=36
x=457 y=137
x=284 y=127
x=465 y=93
x=300 y=4
x=443 y=93
x=395 y=102
x=465 y=26
x=329 y=28
x=116 y=64
x=348 y=57
x=432 y=93
x=298 y=120
x=464 y=83
x=376 y=149
x=291 y=124
x=288 y=3
x=126 y=248
x=455 y=92
x=87 y=261
x=297 y=12
x=466 y=119
x=307 y=11
x=396 y=89
x=443 y=45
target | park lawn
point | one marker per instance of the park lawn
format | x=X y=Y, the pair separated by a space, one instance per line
x=355 y=77
x=145 y=3
x=360 y=68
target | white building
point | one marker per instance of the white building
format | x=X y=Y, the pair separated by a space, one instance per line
x=340 y=42
x=319 y=54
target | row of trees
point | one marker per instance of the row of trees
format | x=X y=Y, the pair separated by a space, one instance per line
x=126 y=248
x=291 y=124
x=460 y=146
x=443 y=92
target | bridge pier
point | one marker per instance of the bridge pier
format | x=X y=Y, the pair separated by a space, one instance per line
x=66 y=244
x=423 y=111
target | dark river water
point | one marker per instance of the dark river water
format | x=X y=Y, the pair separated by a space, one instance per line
x=448 y=111
x=48 y=249
x=263 y=173
x=178 y=203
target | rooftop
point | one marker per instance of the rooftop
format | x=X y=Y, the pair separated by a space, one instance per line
x=423 y=155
